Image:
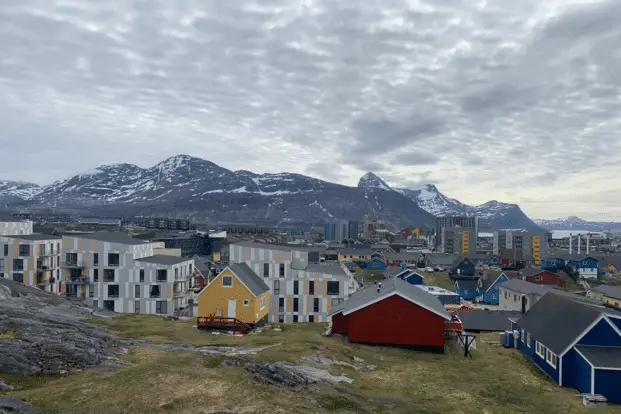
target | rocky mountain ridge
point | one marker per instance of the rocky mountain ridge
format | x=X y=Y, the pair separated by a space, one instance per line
x=576 y=223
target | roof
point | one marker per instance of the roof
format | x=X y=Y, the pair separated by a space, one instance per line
x=477 y=256
x=436 y=291
x=610 y=291
x=467 y=284
x=532 y=271
x=200 y=265
x=396 y=271
x=249 y=278
x=528 y=288
x=390 y=287
x=442 y=259
x=492 y=276
x=163 y=259
x=601 y=356
x=401 y=256
x=557 y=321
x=356 y=252
x=613 y=259
x=110 y=236
x=334 y=269
x=36 y=237
x=486 y=320
x=572 y=256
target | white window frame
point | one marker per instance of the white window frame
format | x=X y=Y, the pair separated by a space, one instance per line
x=551 y=358
x=528 y=339
x=246 y=302
x=227 y=286
x=540 y=349
x=522 y=335
x=262 y=303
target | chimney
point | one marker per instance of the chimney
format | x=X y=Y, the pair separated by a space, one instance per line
x=579 y=242
x=571 y=237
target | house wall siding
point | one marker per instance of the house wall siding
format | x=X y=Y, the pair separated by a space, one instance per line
x=339 y=324
x=546 y=278
x=602 y=334
x=607 y=383
x=576 y=372
x=396 y=321
x=616 y=322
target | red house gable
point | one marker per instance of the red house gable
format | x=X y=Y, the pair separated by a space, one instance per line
x=544 y=277
x=397 y=321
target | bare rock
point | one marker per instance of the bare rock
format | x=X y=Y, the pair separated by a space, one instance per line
x=15 y=406
x=4 y=386
x=277 y=374
x=228 y=363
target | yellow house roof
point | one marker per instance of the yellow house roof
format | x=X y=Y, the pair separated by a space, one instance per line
x=246 y=276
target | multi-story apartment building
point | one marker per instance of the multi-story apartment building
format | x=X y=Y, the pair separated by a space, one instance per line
x=336 y=230
x=530 y=243
x=114 y=271
x=32 y=259
x=302 y=289
x=458 y=240
x=354 y=229
x=15 y=227
x=455 y=221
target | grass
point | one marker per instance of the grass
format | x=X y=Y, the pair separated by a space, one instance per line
x=495 y=380
x=440 y=279
x=8 y=335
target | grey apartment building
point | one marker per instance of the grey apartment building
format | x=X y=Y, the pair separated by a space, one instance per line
x=530 y=243
x=116 y=272
x=458 y=240
x=302 y=289
x=452 y=222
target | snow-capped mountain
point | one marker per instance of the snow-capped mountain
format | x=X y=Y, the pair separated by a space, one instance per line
x=19 y=189
x=494 y=214
x=186 y=186
x=576 y=223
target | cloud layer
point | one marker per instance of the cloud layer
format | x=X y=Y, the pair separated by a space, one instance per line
x=515 y=101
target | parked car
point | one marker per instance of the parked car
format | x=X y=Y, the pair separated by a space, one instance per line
x=429 y=269
x=438 y=269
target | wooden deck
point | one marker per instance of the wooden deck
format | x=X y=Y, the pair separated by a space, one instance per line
x=222 y=323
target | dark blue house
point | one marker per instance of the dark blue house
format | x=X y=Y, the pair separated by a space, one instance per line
x=467 y=289
x=483 y=289
x=577 y=344
x=582 y=264
x=415 y=278
x=463 y=267
x=375 y=264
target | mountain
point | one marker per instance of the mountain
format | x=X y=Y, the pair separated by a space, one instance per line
x=494 y=214
x=19 y=189
x=184 y=186
x=576 y=223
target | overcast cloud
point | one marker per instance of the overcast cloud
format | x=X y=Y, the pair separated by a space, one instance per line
x=518 y=101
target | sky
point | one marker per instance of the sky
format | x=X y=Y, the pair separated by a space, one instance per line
x=517 y=101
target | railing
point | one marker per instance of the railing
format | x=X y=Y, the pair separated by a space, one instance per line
x=72 y=264
x=220 y=322
x=81 y=280
x=42 y=267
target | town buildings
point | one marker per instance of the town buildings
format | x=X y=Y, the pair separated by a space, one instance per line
x=520 y=295
x=609 y=295
x=117 y=272
x=336 y=230
x=457 y=240
x=302 y=289
x=521 y=242
x=455 y=221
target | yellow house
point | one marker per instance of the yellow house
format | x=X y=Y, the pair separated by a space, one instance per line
x=215 y=257
x=237 y=292
x=354 y=255
x=610 y=295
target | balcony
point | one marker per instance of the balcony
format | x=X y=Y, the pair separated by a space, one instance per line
x=42 y=267
x=72 y=264
x=80 y=280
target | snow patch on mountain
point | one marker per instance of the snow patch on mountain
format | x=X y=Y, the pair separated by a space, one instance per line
x=19 y=189
x=370 y=181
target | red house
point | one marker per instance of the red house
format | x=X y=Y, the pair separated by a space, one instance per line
x=542 y=277
x=393 y=313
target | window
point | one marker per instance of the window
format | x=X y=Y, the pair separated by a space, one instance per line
x=276 y=287
x=528 y=339
x=296 y=287
x=95 y=259
x=333 y=288
x=162 y=275
x=281 y=270
x=95 y=275
x=176 y=273
x=91 y=291
x=161 y=306
x=311 y=287
x=154 y=292
x=41 y=249
x=24 y=250
x=227 y=281
x=537 y=278
x=108 y=275
x=506 y=294
x=109 y=305
x=295 y=318
x=2 y=275
x=71 y=259
x=522 y=335
x=246 y=302
x=295 y=304
x=136 y=306
x=281 y=318
x=18 y=264
x=6 y=249
x=18 y=277
x=1 y=265
x=281 y=304
x=113 y=291
x=262 y=303
x=114 y=259
x=540 y=349
x=137 y=291
x=311 y=318
x=141 y=275
x=315 y=304
x=514 y=297
x=551 y=358
x=266 y=270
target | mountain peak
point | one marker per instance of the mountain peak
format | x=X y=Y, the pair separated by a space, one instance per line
x=371 y=181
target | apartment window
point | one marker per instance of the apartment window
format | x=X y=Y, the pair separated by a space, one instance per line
x=227 y=281
x=161 y=306
x=276 y=287
x=246 y=302
x=311 y=287
x=24 y=250
x=95 y=275
x=311 y=318
x=281 y=318
x=136 y=306
x=91 y=291
x=176 y=273
x=281 y=304
x=315 y=304
x=262 y=303
x=295 y=304
x=296 y=287
x=18 y=277
x=141 y=275
x=295 y=318
x=71 y=258
x=551 y=358
x=162 y=275
x=154 y=292
x=41 y=249
x=2 y=275
x=1 y=265
x=114 y=259
x=95 y=259
x=108 y=275
x=266 y=270
x=523 y=335
x=333 y=288
x=281 y=270
x=109 y=305
x=528 y=339
x=6 y=249
x=18 y=264
x=137 y=291
x=540 y=349
x=514 y=297
x=113 y=291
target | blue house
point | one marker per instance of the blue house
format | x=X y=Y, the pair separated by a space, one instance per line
x=375 y=264
x=483 y=289
x=576 y=344
x=467 y=289
x=582 y=264
x=415 y=278
x=463 y=267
